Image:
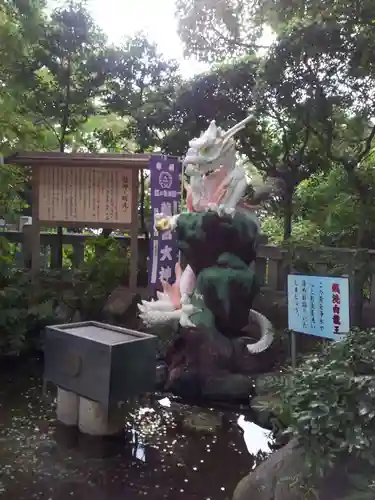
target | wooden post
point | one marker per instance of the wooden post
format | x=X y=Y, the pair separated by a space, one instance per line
x=261 y=269
x=27 y=240
x=35 y=236
x=273 y=274
x=133 y=278
x=54 y=251
x=78 y=253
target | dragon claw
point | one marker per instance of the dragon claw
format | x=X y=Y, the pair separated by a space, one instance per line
x=229 y=211
x=220 y=209
x=212 y=207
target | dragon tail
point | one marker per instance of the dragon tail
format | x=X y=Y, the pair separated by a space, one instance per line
x=266 y=333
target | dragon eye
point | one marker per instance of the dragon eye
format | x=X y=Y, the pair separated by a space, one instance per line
x=204 y=150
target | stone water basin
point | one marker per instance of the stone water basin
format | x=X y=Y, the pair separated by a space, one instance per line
x=169 y=451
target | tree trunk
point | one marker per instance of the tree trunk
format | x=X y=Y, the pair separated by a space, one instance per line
x=361 y=231
x=64 y=127
x=288 y=213
x=142 y=206
x=59 y=249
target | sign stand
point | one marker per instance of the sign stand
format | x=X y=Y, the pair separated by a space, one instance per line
x=293 y=348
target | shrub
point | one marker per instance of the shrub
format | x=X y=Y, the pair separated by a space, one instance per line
x=25 y=310
x=330 y=401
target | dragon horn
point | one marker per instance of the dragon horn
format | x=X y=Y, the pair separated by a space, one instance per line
x=236 y=128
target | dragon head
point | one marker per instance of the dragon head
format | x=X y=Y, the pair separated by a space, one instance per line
x=212 y=149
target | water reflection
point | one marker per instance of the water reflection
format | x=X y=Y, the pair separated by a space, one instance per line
x=159 y=457
x=256 y=438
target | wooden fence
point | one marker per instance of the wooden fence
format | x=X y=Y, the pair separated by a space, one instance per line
x=272 y=265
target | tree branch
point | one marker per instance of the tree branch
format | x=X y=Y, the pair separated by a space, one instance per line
x=305 y=142
x=286 y=144
x=368 y=144
x=239 y=43
x=44 y=120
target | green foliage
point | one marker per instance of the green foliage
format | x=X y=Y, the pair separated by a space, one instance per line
x=12 y=181
x=304 y=231
x=140 y=90
x=223 y=94
x=23 y=315
x=218 y=30
x=6 y=260
x=313 y=97
x=327 y=211
x=332 y=203
x=69 y=71
x=330 y=402
x=25 y=309
x=106 y=264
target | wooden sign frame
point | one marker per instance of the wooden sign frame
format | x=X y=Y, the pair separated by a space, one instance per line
x=131 y=162
x=81 y=197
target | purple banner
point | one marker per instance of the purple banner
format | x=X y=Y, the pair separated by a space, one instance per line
x=165 y=198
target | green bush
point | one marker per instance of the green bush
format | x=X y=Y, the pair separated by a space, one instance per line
x=106 y=264
x=25 y=309
x=329 y=401
x=24 y=312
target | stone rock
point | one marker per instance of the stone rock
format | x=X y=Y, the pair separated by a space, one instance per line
x=282 y=477
x=118 y=302
x=253 y=364
x=228 y=387
x=165 y=335
x=211 y=366
x=64 y=313
x=67 y=313
x=77 y=317
x=277 y=478
x=201 y=421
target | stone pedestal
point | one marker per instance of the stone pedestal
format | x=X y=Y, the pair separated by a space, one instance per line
x=67 y=407
x=96 y=420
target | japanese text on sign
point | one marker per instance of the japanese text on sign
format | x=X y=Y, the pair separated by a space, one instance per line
x=336 y=302
x=165 y=198
x=318 y=306
x=85 y=194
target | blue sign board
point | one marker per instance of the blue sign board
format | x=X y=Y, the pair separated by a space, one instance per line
x=318 y=306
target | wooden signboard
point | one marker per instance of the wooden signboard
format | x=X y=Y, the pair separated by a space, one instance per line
x=85 y=195
x=84 y=190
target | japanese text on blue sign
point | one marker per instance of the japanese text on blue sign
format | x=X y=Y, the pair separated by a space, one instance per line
x=318 y=306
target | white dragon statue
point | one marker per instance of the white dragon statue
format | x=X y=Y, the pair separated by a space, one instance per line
x=216 y=184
